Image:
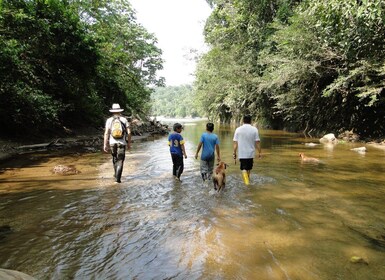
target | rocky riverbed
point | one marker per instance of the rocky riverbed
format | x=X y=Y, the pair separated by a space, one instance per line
x=90 y=139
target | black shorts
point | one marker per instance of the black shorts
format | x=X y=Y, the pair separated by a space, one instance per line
x=246 y=163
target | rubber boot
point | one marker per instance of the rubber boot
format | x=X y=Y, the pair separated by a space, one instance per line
x=245 y=177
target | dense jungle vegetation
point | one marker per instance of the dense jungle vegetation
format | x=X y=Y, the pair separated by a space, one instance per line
x=311 y=66
x=64 y=62
x=174 y=101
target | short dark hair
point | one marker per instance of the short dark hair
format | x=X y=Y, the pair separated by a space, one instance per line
x=210 y=126
x=177 y=126
x=247 y=119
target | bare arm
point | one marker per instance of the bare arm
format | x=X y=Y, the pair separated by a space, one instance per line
x=105 y=142
x=128 y=137
x=198 y=149
x=183 y=150
x=235 y=148
x=218 y=152
x=258 y=147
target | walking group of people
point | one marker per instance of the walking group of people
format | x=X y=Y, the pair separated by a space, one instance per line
x=245 y=143
x=117 y=138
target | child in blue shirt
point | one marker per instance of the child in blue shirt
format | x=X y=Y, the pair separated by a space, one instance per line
x=177 y=150
x=210 y=143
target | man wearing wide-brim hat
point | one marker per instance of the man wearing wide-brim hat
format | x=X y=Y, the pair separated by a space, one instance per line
x=117 y=137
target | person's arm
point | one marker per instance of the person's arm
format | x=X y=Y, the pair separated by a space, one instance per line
x=105 y=142
x=183 y=150
x=128 y=137
x=198 y=149
x=258 y=147
x=235 y=148
x=218 y=152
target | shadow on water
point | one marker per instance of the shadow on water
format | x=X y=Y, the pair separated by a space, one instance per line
x=294 y=221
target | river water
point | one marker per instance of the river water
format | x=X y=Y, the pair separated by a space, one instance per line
x=294 y=221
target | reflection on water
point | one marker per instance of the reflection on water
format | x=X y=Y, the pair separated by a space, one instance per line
x=295 y=220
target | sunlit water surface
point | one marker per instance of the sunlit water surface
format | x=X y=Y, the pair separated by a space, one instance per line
x=295 y=220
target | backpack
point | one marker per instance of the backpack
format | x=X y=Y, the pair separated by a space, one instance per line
x=118 y=129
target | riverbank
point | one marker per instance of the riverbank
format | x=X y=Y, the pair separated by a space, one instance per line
x=88 y=139
x=91 y=139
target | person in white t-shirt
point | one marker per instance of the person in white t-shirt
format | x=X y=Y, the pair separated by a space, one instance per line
x=118 y=143
x=246 y=140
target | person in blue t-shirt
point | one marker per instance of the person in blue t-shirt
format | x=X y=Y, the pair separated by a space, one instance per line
x=210 y=143
x=177 y=150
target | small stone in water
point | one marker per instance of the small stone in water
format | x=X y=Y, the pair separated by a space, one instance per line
x=356 y=259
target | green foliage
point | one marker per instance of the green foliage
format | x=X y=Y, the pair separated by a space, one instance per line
x=174 y=101
x=315 y=66
x=355 y=29
x=46 y=66
x=130 y=58
x=63 y=63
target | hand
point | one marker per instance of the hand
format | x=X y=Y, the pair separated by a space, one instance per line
x=185 y=156
x=105 y=148
x=196 y=156
x=234 y=155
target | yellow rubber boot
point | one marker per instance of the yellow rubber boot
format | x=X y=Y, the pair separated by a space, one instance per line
x=245 y=177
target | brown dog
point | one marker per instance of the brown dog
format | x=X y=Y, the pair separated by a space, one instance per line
x=308 y=159
x=219 y=176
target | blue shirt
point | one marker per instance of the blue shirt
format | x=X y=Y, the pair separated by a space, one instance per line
x=175 y=140
x=209 y=140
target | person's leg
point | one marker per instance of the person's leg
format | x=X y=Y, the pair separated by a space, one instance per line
x=179 y=166
x=250 y=164
x=204 y=170
x=210 y=168
x=121 y=154
x=246 y=165
x=174 y=158
x=114 y=152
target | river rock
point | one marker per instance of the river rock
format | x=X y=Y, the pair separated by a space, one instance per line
x=329 y=138
x=378 y=145
x=357 y=259
x=4 y=231
x=374 y=234
x=140 y=127
x=349 y=136
x=311 y=144
x=14 y=275
x=65 y=170
x=359 y=149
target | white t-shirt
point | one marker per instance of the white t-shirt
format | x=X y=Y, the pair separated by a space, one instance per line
x=246 y=136
x=112 y=140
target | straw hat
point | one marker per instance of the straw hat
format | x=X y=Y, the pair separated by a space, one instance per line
x=116 y=108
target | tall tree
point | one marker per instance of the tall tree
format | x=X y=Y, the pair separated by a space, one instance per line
x=309 y=65
x=65 y=62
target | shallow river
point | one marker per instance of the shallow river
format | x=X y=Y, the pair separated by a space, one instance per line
x=294 y=221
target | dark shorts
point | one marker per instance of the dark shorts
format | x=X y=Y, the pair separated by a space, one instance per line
x=246 y=163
